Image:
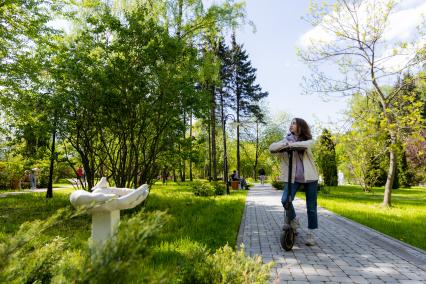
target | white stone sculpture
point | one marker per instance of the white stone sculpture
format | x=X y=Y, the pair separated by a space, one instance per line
x=105 y=203
x=340 y=178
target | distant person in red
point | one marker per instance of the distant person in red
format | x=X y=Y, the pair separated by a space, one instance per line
x=80 y=174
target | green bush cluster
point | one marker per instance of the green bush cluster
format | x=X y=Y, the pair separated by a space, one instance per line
x=10 y=175
x=127 y=257
x=219 y=188
x=277 y=184
x=207 y=189
x=224 y=266
x=323 y=188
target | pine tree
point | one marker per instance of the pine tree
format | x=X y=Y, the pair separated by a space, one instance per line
x=224 y=92
x=375 y=174
x=246 y=92
x=326 y=158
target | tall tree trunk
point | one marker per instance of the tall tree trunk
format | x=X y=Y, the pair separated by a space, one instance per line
x=179 y=18
x=178 y=33
x=238 y=132
x=390 y=178
x=190 y=146
x=257 y=152
x=209 y=170
x=393 y=140
x=213 y=130
x=49 y=192
x=222 y=112
x=182 y=177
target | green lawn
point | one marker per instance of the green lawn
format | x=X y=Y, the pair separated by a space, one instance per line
x=405 y=220
x=193 y=222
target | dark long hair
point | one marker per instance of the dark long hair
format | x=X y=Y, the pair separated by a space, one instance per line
x=303 y=128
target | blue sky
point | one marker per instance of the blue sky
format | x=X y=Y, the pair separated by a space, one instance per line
x=272 y=50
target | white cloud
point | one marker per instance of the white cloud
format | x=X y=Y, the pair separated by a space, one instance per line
x=394 y=63
x=316 y=35
x=402 y=24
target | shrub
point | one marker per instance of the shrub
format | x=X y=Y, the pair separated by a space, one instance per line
x=225 y=266
x=326 y=158
x=278 y=184
x=11 y=174
x=323 y=188
x=26 y=257
x=219 y=188
x=202 y=189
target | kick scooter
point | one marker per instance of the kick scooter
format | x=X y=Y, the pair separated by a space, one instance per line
x=288 y=234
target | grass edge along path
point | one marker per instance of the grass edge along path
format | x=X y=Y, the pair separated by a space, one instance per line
x=403 y=221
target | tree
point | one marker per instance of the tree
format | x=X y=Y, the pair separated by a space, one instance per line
x=26 y=45
x=416 y=154
x=362 y=149
x=122 y=84
x=326 y=158
x=246 y=93
x=356 y=45
x=196 y=25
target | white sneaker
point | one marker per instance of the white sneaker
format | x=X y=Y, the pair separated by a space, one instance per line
x=294 y=224
x=286 y=224
x=310 y=241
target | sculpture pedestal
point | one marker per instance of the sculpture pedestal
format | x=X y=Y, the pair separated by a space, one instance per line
x=104 y=224
x=104 y=204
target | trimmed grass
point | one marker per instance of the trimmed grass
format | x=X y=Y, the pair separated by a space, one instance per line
x=27 y=207
x=194 y=222
x=405 y=220
x=211 y=222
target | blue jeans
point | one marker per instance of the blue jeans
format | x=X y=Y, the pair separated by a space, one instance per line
x=311 y=201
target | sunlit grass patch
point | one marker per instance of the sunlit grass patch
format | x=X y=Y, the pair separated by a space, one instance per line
x=197 y=228
x=404 y=220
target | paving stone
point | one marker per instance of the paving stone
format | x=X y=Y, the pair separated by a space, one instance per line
x=318 y=278
x=346 y=252
x=358 y=279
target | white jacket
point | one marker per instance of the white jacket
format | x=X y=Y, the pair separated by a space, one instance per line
x=310 y=170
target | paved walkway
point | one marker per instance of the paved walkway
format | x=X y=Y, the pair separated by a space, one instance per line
x=42 y=190
x=346 y=252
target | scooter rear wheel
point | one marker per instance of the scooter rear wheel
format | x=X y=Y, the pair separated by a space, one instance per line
x=287 y=239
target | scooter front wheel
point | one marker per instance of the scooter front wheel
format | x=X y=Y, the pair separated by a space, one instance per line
x=287 y=239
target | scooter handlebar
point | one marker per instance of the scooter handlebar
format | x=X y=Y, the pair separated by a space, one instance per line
x=290 y=148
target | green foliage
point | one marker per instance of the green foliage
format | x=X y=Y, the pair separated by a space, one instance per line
x=226 y=266
x=200 y=188
x=325 y=154
x=375 y=174
x=416 y=155
x=11 y=174
x=404 y=175
x=219 y=188
x=149 y=247
x=362 y=149
x=278 y=184
x=322 y=188
x=399 y=107
x=26 y=257
x=126 y=256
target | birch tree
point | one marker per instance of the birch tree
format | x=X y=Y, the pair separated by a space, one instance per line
x=353 y=36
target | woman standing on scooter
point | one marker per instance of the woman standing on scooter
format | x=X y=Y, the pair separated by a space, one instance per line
x=304 y=173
